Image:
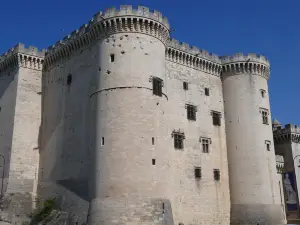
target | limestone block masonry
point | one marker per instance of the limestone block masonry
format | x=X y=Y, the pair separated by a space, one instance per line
x=132 y=127
x=20 y=118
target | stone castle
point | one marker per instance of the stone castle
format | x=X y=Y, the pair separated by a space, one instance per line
x=124 y=125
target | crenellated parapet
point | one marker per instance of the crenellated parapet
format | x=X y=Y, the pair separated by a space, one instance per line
x=290 y=133
x=123 y=20
x=279 y=163
x=251 y=63
x=193 y=57
x=21 y=56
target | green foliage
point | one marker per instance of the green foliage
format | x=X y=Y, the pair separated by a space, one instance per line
x=43 y=212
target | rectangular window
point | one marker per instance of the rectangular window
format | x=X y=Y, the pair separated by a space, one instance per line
x=216 y=174
x=216 y=117
x=191 y=112
x=268 y=145
x=185 y=85
x=112 y=57
x=263 y=93
x=178 y=140
x=152 y=140
x=157 y=86
x=197 y=172
x=264 y=114
x=205 y=144
x=69 y=79
x=102 y=141
x=206 y=91
x=153 y=162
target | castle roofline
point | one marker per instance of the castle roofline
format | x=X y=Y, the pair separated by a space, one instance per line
x=20 y=55
x=21 y=48
x=195 y=51
x=241 y=57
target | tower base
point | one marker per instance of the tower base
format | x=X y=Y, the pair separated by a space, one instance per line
x=256 y=214
x=134 y=211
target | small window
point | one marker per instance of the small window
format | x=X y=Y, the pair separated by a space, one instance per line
x=157 y=86
x=191 y=112
x=153 y=162
x=206 y=91
x=268 y=145
x=216 y=116
x=178 y=140
x=69 y=79
x=152 y=140
x=185 y=85
x=102 y=141
x=263 y=93
x=112 y=57
x=205 y=144
x=198 y=172
x=216 y=174
x=264 y=114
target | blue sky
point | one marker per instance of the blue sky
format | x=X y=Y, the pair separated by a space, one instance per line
x=222 y=27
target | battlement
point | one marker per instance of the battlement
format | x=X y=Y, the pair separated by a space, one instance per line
x=29 y=57
x=288 y=128
x=195 y=51
x=21 y=48
x=125 y=10
x=128 y=10
x=240 y=57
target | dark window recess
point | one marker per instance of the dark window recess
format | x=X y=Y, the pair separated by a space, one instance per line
x=268 y=145
x=69 y=79
x=264 y=114
x=152 y=140
x=157 y=86
x=216 y=174
x=205 y=145
x=216 y=116
x=178 y=140
x=191 y=112
x=102 y=141
x=153 y=161
x=197 y=172
x=206 y=90
x=112 y=57
x=185 y=85
x=263 y=93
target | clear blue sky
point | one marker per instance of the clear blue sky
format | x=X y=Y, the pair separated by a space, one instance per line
x=223 y=27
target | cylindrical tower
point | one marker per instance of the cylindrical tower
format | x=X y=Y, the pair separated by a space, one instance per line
x=252 y=168
x=130 y=161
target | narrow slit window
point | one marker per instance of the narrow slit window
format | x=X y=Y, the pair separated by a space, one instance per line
x=197 y=172
x=153 y=161
x=112 y=57
x=268 y=145
x=152 y=140
x=216 y=174
x=206 y=90
x=263 y=93
x=69 y=79
x=185 y=85
x=102 y=141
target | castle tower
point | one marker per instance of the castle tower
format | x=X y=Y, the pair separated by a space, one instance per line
x=128 y=127
x=20 y=118
x=251 y=158
x=127 y=120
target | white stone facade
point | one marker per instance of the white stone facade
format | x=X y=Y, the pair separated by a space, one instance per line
x=106 y=140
